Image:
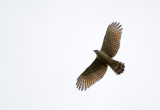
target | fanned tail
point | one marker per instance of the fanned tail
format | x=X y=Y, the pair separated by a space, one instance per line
x=117 y=67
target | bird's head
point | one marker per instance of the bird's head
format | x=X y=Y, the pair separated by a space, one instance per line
x=96 y=51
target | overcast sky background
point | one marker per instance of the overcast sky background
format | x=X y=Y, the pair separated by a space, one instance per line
x=46 y=44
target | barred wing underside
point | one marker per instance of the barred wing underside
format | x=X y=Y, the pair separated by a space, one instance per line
x=91 y=75
x=111 y=42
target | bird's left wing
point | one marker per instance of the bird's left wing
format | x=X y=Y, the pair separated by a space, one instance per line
x=91 y=75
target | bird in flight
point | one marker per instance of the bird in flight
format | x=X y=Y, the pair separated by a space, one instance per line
x=104 y=58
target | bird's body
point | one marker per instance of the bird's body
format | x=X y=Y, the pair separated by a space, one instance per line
x=98 y=68
x=116 y=66
x=103 y=57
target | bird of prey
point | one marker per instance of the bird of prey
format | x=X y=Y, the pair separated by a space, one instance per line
x=104 y=58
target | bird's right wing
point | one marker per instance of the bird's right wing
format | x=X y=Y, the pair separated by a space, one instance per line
x=91 y=75
x=111 y=42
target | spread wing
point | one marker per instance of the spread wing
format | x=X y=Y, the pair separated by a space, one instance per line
x=91 y=75
x=111 y=42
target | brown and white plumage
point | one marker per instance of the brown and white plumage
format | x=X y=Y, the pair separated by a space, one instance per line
x=91 y=75
x=111 y=42
x=98 y=68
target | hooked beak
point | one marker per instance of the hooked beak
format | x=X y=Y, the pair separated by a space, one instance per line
x=96 y=51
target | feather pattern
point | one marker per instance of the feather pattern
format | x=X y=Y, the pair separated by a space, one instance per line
x=91 y=75
x=111 y=42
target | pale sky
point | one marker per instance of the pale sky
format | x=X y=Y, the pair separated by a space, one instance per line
x=46 y=44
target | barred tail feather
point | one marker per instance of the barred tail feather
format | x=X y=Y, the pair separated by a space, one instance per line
x=117 y=67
